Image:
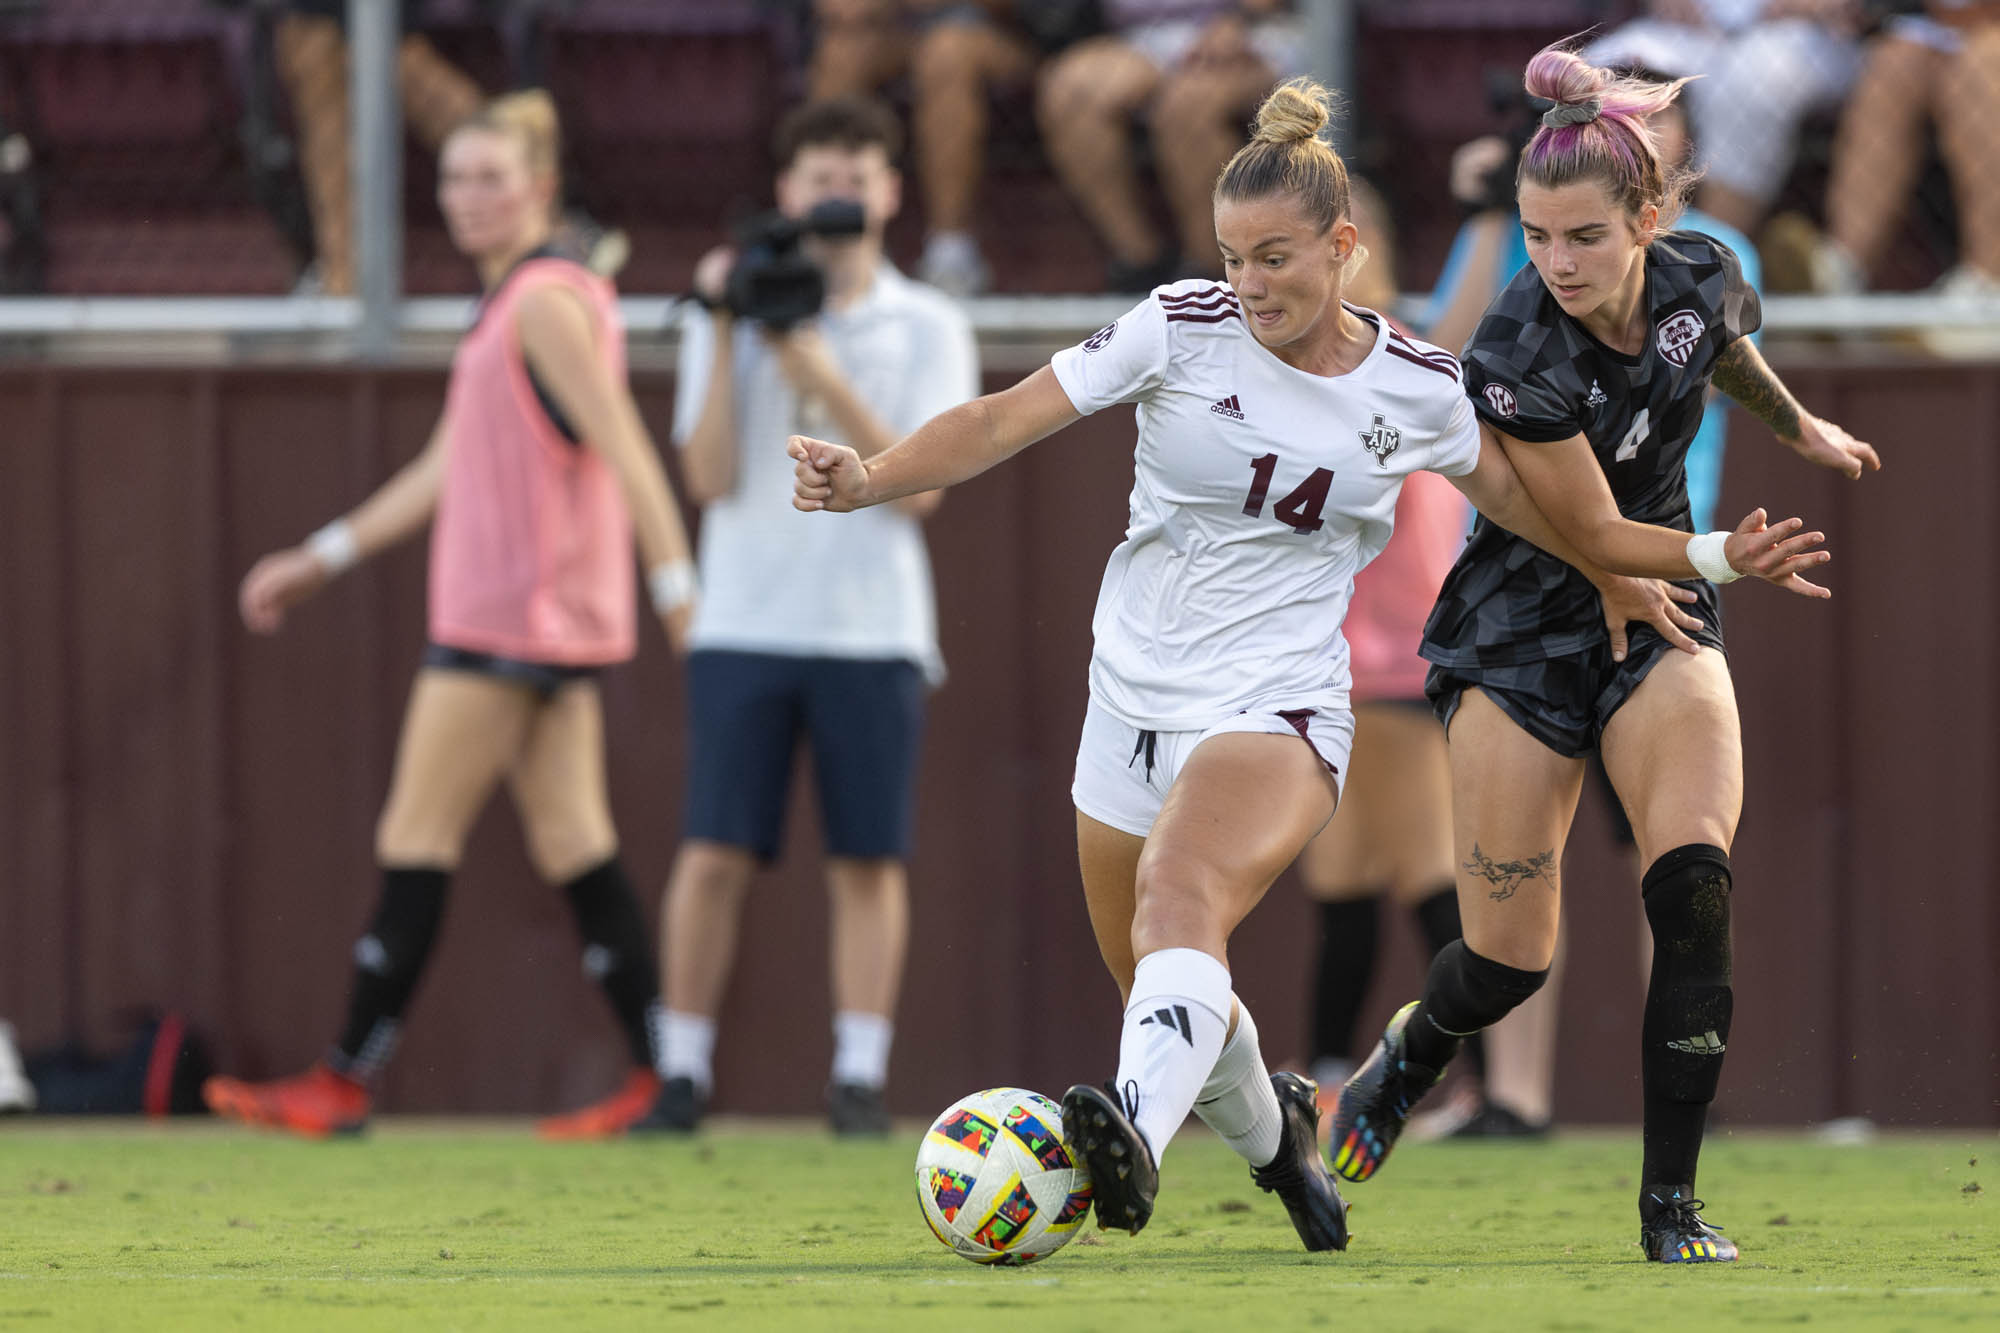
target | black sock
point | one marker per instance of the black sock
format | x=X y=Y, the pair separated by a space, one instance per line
x=1437 y=918
x=388 y=961
x=1688 y=1006
x=1347 y=931
x=616 y=952
x=1465 y=992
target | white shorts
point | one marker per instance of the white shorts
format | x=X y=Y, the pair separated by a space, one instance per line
x=1121 y=780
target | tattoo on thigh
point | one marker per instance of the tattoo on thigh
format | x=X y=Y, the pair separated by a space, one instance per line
x=1507 y=876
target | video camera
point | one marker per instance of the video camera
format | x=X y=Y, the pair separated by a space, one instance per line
x=1521 y=115
x=773 y=280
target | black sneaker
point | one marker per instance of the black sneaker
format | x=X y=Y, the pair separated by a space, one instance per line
x=1297 y=1175
x=1675 y=1233
x=1494 y=1121
x=1124 y=1178
x=677 y=1109
x=856 y=1109
x=1376 y=1103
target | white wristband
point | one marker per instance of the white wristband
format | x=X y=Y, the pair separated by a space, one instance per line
x=1710 y=560
x=334 y=546
x=671 y=585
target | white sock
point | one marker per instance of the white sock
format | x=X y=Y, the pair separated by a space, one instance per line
x=1237 y=1101
x=1174 y=1025
x=686 y=1046
x=861 y=1048
x=951 y=247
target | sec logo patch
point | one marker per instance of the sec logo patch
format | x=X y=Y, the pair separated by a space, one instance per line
x=1678 y=335
x=1501 y=398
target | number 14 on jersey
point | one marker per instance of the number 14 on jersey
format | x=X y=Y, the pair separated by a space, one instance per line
x=1300 y=508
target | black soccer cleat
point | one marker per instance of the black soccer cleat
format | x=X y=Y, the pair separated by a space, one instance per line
x=856 y=1110
x=1298 y=1175
x=677 y=1109
x=1376 y=1103
x=1674 y=1232
x=1124 y=1178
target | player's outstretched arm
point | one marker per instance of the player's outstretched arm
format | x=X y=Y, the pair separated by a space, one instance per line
x=1565 y=506
x=951 y=447
x=399 y=508
x=1743 y=374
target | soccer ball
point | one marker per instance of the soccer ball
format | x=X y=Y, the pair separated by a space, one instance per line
x=995 y=1180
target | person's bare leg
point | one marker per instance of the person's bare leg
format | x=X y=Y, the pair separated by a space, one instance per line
x=1879 y=149
x=559 y=787
x=700 y=922
x=460 y=735
x=954 y=66
x=437 y=95
x=870 y=932
x=1086 y=103
x=311 y=57
x=862 y=45
x=1968 y=110
x=1198 y=122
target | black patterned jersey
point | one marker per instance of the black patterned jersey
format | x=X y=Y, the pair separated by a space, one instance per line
x=1535 y=374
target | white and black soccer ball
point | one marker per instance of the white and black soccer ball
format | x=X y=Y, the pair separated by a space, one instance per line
x=997 y=1183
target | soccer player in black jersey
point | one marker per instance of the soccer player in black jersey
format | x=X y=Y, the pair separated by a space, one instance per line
x=1592 y=368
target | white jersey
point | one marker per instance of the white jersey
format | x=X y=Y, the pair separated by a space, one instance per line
x=1259 y=490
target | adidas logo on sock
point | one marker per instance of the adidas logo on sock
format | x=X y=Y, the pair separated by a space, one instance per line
x=1706 y=1044
x=1174 y=1020
x=1228 y=407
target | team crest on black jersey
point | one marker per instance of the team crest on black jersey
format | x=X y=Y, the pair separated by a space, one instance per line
x=1502 y=399
x=1381 y=440
x=1097 y=340
x=1678 y=335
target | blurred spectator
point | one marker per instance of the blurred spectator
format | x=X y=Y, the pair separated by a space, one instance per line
x=1945 y=67
x=1192 y=69
x=16 y=1093
x=311 y=54
x=1765 y=65
x=954 y=51
x=810 y=633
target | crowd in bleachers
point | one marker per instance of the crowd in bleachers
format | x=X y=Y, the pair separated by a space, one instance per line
x=199 y=146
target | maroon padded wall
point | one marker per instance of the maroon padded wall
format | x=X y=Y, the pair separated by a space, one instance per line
x=185 y=810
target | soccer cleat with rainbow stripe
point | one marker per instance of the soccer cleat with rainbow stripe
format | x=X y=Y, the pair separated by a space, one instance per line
x=1675 y=1233
x=1376 y=1103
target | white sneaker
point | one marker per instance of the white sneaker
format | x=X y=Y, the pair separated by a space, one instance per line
x=953 y=265
x=16 y=1093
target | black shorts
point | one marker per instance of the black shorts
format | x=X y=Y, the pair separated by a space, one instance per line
x=544 y=678
x=747 y=713
x=1565 y=702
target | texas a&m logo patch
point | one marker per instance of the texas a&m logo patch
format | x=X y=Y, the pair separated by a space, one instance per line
x=1097 y=340
x=1678 y=335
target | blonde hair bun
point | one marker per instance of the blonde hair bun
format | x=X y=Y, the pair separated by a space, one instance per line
x=1296 y=110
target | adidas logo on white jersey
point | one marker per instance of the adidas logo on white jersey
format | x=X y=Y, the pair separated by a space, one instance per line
x=1228 y=407
x=1706 y=1044
x=1597 y=397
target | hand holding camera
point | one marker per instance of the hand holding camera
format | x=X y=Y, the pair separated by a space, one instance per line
x=767 y=275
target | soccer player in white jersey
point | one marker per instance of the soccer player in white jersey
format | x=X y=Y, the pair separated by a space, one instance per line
x=1276 y=424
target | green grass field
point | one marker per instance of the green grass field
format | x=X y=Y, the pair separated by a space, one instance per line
x=442 y=1225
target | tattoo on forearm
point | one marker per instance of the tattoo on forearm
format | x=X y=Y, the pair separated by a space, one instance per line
x=1741 y=373
x=1508 y=876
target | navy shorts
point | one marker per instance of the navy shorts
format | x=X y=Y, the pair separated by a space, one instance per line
x=544 y=678
x=748 y=712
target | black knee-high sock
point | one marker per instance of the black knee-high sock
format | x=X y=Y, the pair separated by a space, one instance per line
x=616 y=952
x=1465 y=992
x=1437 y=918
x=1688 y=1006
x=1347 y=938
x=388 y=961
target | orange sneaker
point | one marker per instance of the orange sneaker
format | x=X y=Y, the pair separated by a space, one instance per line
x=315 y=1104
x=610 y=1117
